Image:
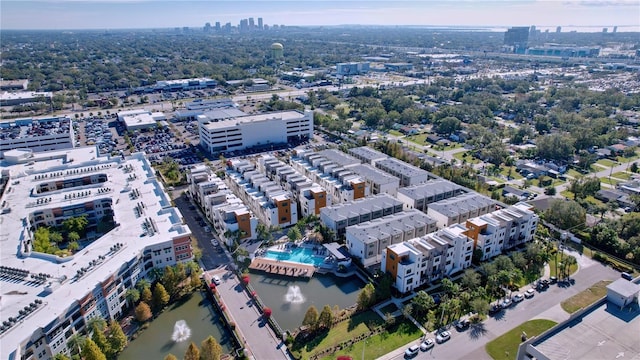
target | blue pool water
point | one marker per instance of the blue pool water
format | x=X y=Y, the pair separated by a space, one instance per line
x=299 y=255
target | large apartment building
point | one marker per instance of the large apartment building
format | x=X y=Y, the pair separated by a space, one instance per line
x=408 y=174
x=273 y=205
x=368 y=240
x=42 y=134
x=338 y=217
x=258 y=131
x=118 y=192
x=220 y=205
x=420 y=196
x=460 y=208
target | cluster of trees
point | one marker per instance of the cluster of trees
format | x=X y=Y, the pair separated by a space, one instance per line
x=565 y=214
x=619 y=237
x=106 y=341
x=50 y=240
x=370 y=295
x=171 y=283
x=323 y=320
x=209 y=350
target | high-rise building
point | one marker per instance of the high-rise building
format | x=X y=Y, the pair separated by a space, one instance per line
x=207 y=27
x=217 y=25
x=615 y=29
x=252 y=24
x=559 y=29
x=517 y=38
x=260 y=24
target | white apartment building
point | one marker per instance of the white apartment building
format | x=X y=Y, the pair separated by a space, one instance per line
x=408 y=174
x=367 y=241
x=502 y=229
x=460 y=208
x=254 y=131
x=420 y=196
x=273 y=205
x=331 y=169
x=42 y=134
x=426 y=259
x=338 y=217
x=52 y=187
x=221 y=206
x=310 y=196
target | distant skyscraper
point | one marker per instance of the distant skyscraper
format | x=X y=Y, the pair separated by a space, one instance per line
x=559 y=29
x=244 y=25
x=605 y=30
x=260 y=25
x=517 y=37
x=252 y=24
x=207 y=27
x=532 y=29
x=615 y=29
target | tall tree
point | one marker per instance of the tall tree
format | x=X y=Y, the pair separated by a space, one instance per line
x=160 y=297
x=146 y=295
x=565 y=214
x=470 y=279
x=193 y=353
x=311 y=317
x=143 y=312
x=210 y=349
x=61 y=356
x=366 y=297
x=91 y=351
x=100 y=339
x=132 y=296
x=117 y=339
x=76 y=343
x=326 y=318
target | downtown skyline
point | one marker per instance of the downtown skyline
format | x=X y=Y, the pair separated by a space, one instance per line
x=588 y=16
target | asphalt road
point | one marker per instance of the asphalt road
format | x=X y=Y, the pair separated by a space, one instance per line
x=470 y=343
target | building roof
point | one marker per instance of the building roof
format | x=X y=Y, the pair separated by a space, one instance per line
x=235 y=120
x=461 y=204
x=624 y=288
x=339 y=157
x=429 y=189
x=374 y=175
x=391 y=224
x=123 y=176
x=368 y=153
x=403 y=168
x=360 y=206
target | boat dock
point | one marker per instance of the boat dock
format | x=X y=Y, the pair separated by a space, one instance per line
x=282 y=267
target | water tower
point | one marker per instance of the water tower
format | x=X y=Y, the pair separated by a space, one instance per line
x=277 y=51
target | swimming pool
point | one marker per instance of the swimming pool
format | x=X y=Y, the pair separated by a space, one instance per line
x=299 y=255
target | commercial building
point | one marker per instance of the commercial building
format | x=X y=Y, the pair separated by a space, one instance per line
x=425 y=259
x=564 y=51
x=420 y=196
x=502 y=229
x=398 y=67
x=368 y=240
x=331 y=169
x=516 y=38
x=254 y=131
x=185 y=84
x=408 y=174
x=59 y=294
x=140 y=119
x=200 y=106
x=12 y=85
x=352 y=68
x=42 y=134
x=338 y=217
x=310 y=196
x=460 y=208
x=273 y=205
x=221 y=206
x=24 y=97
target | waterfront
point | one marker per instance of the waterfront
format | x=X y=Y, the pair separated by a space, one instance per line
x=289 y=298
x=198 y=315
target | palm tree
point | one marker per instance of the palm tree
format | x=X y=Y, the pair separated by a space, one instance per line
x=76 y=343
x=142 y=284
x=96 y=324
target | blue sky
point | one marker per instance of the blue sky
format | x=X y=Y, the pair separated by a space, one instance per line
x=113 y=14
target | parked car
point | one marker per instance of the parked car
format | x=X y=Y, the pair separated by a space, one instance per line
x=529 y=293
x=427 y=344
x=463 y=325
x=553 y=280
x=627 y=276
x=216 y=280
x=412 y=351
x=443 y=336
x=214 y=242
x=494 y=309
x=506 y=303
x=517 y=298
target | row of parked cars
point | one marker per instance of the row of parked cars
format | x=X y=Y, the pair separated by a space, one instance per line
x=427 y=344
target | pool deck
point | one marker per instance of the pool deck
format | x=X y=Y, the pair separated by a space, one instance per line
x=285 y=268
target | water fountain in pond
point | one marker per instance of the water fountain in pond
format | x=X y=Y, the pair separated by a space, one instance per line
x=294 y=295
x=181 y=331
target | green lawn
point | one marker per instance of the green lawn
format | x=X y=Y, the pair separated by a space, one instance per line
x=470 y=159
x=552 y=266
x=621 y=175
x=345 y=330
x=514 y=175
x=568 y=194
x=625 y=159
x=574 y=173
x=586 y=297
x=505 y=347
x=606 y=162
x=420 y=139
x=610 y=181
x=396 y=133
x=381 y=344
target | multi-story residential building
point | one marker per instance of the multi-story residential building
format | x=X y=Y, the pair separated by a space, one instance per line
x=41 y=134
x=377 y=181
x=259 y=131
x=220 y=205
x=119 y=192
x=502 y=229
x=273 y=205
x=331 y=169
x=408 y=174
x=310 y=196
x=367 y=241
x=367 y=155
x=420 y=196
x=423 y=260
x=460 y=208
x=338 y=217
